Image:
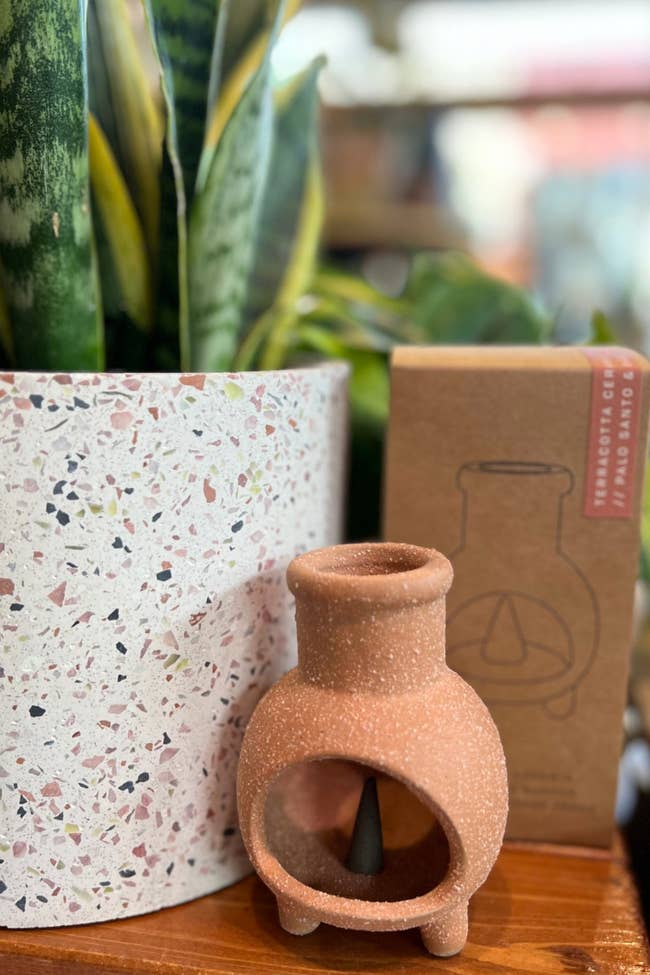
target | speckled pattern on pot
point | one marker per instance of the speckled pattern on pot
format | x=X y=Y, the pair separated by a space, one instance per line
x=146 y=523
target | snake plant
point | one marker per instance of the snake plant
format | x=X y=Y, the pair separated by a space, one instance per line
x=148 y=226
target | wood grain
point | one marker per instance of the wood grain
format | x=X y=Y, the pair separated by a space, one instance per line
x=543 y=911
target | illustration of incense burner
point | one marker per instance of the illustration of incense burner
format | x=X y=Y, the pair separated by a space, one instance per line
x=372 y=786
x=523 y=621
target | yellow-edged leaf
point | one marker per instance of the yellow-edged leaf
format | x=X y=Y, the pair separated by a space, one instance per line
x=276 y=324
x=233 y=88
x=122 y=229
x=249 y=352
x=223 y=228
x=291 y=219
x=300 y=268
x=122 y=101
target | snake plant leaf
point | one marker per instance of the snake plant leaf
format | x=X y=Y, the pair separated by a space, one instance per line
x=171 y=342
x=455 y=302
x=122 y=101
x=172 y=336
x=46 y=251
x=223 y=226
x=247 y=22
x=292 y=213
x=217 y=58
x=224 y=220
x=6 y=338
x=244 y=25
x=254 y=347
x=248 y=32
x=123 y=258
x=188 y=35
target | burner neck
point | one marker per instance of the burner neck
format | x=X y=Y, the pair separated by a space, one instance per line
x=371 y=618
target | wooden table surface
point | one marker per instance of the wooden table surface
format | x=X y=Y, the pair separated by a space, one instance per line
x=544 y=910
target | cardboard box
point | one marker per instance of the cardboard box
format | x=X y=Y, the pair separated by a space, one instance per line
x=525 y=466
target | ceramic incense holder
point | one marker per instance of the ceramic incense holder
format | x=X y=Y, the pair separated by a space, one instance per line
x=372 y=785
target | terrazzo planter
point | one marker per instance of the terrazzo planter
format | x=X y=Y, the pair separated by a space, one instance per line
x=146 y=522
x=372 y=701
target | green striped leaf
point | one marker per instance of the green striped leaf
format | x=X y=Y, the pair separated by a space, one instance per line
x=223 y=227
x=188 y=41
x=292 y=213
x=187 y=36
x=248 y=29
x=216 y=61
x=225 y=216
x=46 y=253
x=122 y=102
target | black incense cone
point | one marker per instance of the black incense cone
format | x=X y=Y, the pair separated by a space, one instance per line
x=366 y=853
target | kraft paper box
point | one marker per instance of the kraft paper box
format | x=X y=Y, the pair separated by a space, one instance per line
x=525 y=466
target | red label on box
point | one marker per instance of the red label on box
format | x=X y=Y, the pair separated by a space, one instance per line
x=613 y=433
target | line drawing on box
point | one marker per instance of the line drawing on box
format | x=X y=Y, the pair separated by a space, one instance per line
x=523 y=622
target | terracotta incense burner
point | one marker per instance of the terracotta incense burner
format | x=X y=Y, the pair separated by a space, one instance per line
x=372 y=783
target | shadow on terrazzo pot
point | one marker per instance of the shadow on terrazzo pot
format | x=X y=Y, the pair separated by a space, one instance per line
x=145 y=526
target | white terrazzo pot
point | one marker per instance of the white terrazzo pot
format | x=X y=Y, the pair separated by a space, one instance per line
x=146 y=522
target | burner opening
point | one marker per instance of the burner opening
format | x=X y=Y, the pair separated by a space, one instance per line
x=374 y=560
x=310 y=815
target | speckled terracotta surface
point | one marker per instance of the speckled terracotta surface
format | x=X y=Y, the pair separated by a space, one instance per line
x=146 y=523
x=373 y=696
